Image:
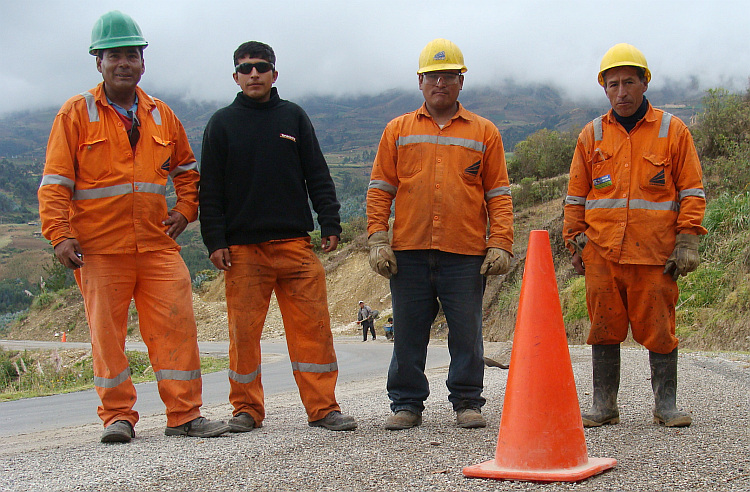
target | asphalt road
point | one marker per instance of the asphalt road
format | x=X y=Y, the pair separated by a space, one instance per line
x=357 y=361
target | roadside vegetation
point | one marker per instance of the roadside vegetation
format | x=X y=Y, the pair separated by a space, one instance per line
x=25 y=374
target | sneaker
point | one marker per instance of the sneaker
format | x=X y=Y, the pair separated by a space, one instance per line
x=335 y=421
x=403 y=419
x=242 y=422
x=470 y=418
x=119 y=431
x=198 y=427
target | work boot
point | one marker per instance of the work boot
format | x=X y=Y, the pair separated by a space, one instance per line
x=335 y=421
x=403 y=419
x=242 y=422
x=470 y=418
x=119 y=431
x=605 y=360
x=664 y=384
x=198 y=427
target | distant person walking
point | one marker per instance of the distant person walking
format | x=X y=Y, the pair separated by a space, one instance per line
x=632 y=221
x=365 y=318
x=445 y=168
x=260 y=164
x=103 y=207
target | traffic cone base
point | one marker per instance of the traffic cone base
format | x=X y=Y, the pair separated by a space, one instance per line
x=490 y=469
x=541 y=435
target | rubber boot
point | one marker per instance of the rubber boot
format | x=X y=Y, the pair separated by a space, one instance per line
x=605 y=360
x=664 y=384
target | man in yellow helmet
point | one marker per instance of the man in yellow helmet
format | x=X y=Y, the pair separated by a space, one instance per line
x=103 y=207
x=632 y=221
x=445 y=168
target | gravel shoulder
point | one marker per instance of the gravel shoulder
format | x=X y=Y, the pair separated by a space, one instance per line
x=286 y=454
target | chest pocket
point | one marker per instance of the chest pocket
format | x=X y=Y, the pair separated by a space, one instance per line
x=656 y=174
x=409 y=160
x=603 y=176
x=162 y=156
x=94 y=162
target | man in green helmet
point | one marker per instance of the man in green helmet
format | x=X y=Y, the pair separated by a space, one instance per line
x=103 y=207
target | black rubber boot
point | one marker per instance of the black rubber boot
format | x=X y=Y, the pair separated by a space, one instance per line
x=664 y=384
x=605 y=360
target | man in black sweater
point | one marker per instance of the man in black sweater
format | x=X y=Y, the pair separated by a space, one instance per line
x=259 y=165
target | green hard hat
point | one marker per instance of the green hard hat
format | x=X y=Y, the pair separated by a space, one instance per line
x=115 y=30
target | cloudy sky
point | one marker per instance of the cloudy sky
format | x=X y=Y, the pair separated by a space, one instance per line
x=352 y=46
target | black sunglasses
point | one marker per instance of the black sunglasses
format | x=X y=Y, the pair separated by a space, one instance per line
x=246 y=68
x=134 y=134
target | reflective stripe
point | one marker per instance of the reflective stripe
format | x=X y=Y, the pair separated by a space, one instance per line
x=664 y=128
x=183 y=168
x=598 y=129
x=607 y=203
x=106 y=192
x=309 y=367
x=499 y=191
x=575 y=200
x=91 y=106
x=141 y=187
x=177 y=375
x=693 y=192
x=383 y=185
x=439 y=140
x=51 y=179
x=640 y=204
x=101 y=382
x=244 y=378
x=117 y=190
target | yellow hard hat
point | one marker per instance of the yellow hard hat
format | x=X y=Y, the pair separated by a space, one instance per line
x=622 y=55
x=441 y=54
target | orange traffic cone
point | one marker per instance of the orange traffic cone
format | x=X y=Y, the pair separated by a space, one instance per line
x=64 y=337
x=541 y=431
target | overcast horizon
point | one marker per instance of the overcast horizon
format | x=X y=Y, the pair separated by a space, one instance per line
x=356 y=47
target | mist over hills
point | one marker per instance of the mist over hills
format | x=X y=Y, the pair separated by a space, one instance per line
x=352 y=122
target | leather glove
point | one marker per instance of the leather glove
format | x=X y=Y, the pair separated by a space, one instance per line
x=684 y=258
x=382 y=259
x=496 y=262
x=579 y=242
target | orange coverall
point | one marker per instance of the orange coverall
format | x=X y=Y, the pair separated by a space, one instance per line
x=631 y=194
x=426 y=204
x=110 y=197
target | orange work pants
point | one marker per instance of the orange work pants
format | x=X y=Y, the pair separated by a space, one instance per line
x=618 y=295
x=291 y=270
x=160 y=284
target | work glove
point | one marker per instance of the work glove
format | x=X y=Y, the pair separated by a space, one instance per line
x=496 y=262
x=579 y=242
x=684 y=258
x=382 y=259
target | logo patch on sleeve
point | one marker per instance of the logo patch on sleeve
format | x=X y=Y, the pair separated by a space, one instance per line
x=658 y=180
x=288 y=137
x=603 y=182
x=166 y=164
x=473 y=169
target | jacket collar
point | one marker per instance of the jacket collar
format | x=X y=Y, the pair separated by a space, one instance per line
x=252 y=103
x=144 y=100
x=461 y=113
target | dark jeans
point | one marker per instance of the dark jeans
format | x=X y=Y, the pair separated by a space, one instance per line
x=368 y=324
x=423 y=278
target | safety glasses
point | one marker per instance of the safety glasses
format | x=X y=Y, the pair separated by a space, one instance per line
x=434 y=78
x=246 y=68
x=134 y=134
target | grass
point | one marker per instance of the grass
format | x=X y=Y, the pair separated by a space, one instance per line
x=41 y=373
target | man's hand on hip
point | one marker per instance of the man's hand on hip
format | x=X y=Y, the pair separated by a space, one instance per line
x=176 y=223
x=382 y=259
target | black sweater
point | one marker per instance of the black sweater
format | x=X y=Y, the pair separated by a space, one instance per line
x=259 y=164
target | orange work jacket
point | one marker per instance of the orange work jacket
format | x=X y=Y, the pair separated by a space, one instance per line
x=633 y=193
x=99 y=191
x=447 y=183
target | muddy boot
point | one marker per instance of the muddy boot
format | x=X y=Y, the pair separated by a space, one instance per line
x=664 y=383
x=605 y=360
